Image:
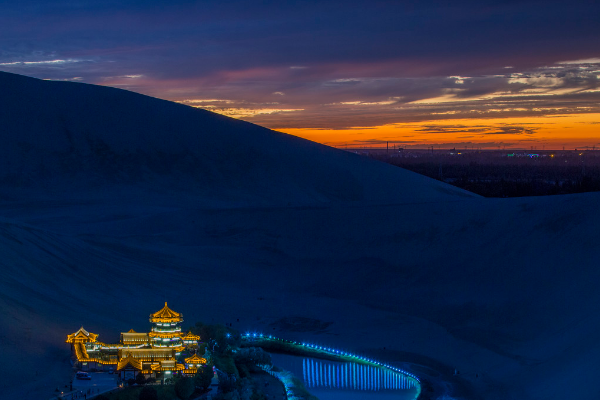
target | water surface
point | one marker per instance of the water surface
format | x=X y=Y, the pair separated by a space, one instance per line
x=330 y=380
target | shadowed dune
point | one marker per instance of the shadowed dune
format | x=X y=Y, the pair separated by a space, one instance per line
x=113 y=202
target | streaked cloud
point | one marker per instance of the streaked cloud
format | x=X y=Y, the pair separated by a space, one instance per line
x=385 y=67
x=584 y=61
x=39 y=63
x=200 y=101
x=499 y=129
x=248 y=112
x=366 y=103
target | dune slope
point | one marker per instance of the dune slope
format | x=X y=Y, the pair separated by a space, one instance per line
x=64 y=135
x=113 y=202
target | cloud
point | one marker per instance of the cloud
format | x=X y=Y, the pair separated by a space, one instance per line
x=479 y=129
x=248 y=112
x=366 y=103
x=459 y=80
x=369 y=68
x=343 y=81
x=382 y=141
x=539 y=81
x=512 y=130
x=39 y=63
x=583 y=61
x=201 y=101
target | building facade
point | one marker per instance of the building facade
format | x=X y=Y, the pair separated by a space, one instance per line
x=154 y=354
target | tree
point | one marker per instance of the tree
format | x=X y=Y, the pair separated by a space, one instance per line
x=148 y=393
x=203 y=377
x=253 y=355
x=140 y=379
x=227 y=384
x=258 y=396
x=184 y=388
x=219 y=338
x=216 y=335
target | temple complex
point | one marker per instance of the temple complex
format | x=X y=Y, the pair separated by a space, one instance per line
x=154 y=354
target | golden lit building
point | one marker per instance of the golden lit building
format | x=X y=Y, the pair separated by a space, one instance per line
x=166 y=328
x=153 y=353
x=190 y=340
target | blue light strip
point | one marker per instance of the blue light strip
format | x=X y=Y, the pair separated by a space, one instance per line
x=327 y=350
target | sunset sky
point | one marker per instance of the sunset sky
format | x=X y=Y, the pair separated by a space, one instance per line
x=488 y=74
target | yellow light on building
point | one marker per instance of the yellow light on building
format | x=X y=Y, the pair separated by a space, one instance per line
x=151 y=352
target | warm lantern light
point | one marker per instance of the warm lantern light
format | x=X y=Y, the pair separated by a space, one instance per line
x=147 y=353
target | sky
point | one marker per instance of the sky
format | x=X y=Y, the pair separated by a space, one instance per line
x=465 y=74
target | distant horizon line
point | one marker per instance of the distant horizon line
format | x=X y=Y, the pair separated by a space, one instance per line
x=458 y=149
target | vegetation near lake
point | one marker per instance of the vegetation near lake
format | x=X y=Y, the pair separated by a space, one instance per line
x=238 y=370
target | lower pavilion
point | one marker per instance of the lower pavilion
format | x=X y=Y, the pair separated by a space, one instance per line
x=154 y=354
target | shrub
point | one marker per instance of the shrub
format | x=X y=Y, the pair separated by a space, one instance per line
x=203 y=377
x=227 y=386
x=244 y=370
x=300 y=390
x=258 y=396
x=184 y=388
x=253 y=355
x=140 y=379
x=218 y=336
x=226 y=364
x=148 y=393
x=202 y=349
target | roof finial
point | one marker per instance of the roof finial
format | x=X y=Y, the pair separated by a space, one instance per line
x=165 y=303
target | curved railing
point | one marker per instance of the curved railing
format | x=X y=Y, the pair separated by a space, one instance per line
x=384 y=374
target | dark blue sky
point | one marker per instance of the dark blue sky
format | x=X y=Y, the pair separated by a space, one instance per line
x=306 y=62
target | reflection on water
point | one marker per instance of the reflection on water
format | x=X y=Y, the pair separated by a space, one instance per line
x=330 y=380
x=318 y=373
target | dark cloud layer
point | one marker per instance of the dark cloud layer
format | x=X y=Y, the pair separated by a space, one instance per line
x=478 y=129
x=194 y=38
x=321 y=64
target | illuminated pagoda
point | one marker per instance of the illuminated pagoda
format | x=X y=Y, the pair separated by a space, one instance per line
x=190 y=340
x=153 y=354
x=194 y=361
x=166 y=328
x=81 y=336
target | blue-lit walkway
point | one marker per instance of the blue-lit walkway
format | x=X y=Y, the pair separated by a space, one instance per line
x=348 y=371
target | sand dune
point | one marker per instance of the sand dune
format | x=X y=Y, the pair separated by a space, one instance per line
x=113 y=202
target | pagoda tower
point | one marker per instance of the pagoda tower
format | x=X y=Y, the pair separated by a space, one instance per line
x=166 y=328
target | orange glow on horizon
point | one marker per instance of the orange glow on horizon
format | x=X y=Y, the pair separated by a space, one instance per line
x=549 y=132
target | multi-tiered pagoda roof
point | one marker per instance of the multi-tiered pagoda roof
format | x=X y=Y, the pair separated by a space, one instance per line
x=148 y=353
